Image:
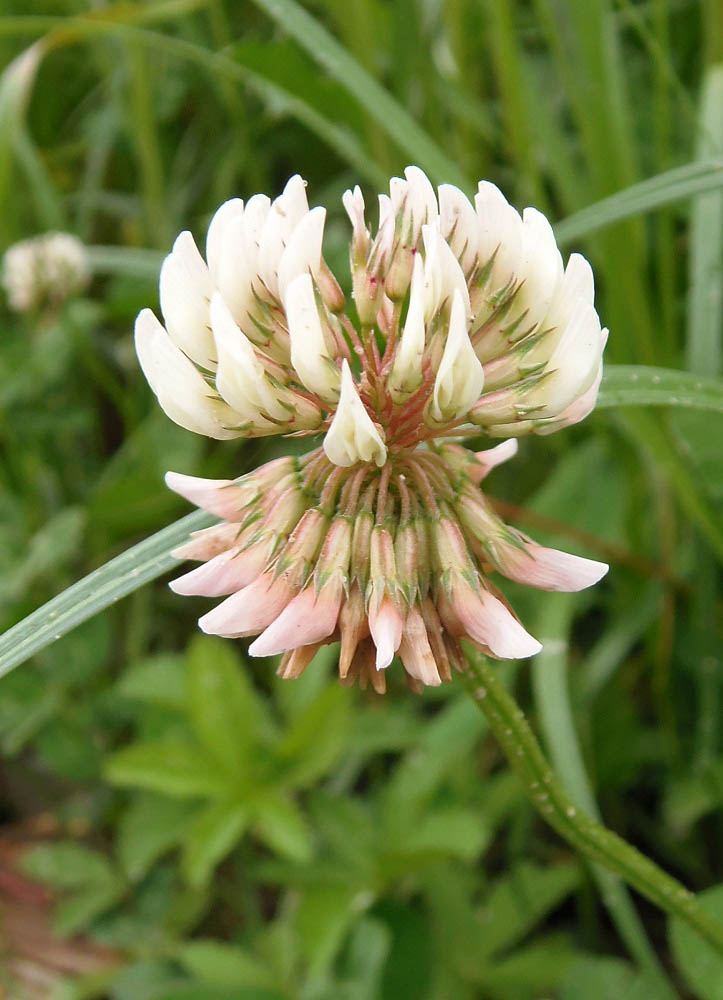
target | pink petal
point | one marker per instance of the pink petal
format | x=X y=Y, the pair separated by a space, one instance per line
x=208 y=542
x=224 y=574
x=385 y=625
x=487 y=621
x=415 y=651
x=222 y=497
x=309 y=618
x=548 y=569
x=492 y=457
x=250 y=610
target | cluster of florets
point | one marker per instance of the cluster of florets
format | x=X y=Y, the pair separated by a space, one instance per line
x=44 y=271
x=465 y=322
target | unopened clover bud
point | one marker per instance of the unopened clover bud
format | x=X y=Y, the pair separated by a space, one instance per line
x=352 y=436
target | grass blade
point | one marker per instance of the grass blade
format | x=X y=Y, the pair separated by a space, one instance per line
x=101 y=588
x=703 y=345
x=640 y=385
x=321 y=45
x=671 y=185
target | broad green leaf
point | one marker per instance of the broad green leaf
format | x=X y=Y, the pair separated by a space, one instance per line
x=516 y=902
x=211 y=836
x=323 y=917
x=672 y=185
x=221 y=964
x=698 y=961
x=222 y=706
x=159 y=680
x=150 y=826
x=170 y=768
x=453 y=831
x=316 y=737
x=593 y=978
x=77 y=911
x=66 y=865
x=638 y=385
x=280 y=824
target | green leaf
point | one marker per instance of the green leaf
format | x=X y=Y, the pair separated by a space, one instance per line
x=704 y=348
x=279 y=822
x=518 y=901
x=316 y=737
x=78 y=911
x=212 y=835
x=671 y=185
x=698 y=961
x=453 y=830
x=159 y=680
x=222 y=706
x=149 y=827
x=171 y=768
x=221 y=964
x=66 y=865
x=593 y=978
x=324 y=916
x=396 y=121
x=638 y=385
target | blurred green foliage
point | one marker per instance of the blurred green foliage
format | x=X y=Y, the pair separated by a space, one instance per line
x=257 y=840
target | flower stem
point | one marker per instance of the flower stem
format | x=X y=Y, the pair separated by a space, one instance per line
x=591 y=839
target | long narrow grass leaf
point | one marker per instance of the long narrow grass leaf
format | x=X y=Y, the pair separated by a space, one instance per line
x=640 y=385
x=671 y=185
x=101 y=588
x=321 y=45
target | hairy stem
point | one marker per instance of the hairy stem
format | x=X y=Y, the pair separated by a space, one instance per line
x=593 y=841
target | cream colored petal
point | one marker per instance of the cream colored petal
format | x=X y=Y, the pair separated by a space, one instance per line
x=352 y=436
x=460 y=377
x=181 y=390
x=406 y=373
x=458 y=223
x=309 y=354
x=302 y=254
x=231 y=209
x=240 y=377
x=185 y=291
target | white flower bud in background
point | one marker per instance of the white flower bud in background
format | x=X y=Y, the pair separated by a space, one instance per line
x=44 y=270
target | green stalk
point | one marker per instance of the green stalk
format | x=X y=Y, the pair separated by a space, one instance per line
x=554 y=710
x=593 y=841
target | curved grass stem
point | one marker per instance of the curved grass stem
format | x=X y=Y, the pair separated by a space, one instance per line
x=591 y=839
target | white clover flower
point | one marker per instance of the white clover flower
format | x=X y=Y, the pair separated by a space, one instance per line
x=468 y=323
x=44 y=270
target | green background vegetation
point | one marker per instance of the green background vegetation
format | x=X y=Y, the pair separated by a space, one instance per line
x=231 y=836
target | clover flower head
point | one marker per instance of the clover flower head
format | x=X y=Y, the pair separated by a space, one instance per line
x=464 y=322
x=44 y=270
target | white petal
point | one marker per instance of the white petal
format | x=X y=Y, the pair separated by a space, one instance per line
x=237 y=263
x=240 y=377
x=442 y=273
x=499 y=230
x=231 y=209
x=458 y=224
x=303 y=250
x=309 y=354
x=421 y=198
x=284 y=215
x=407 y=371
x=352 y=436
x=541 y=270
x=181 y=390
x=573 y=365
x=185 y=291
x=460 y=377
